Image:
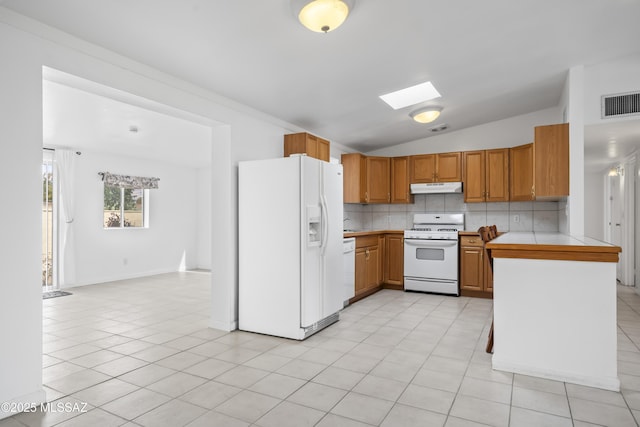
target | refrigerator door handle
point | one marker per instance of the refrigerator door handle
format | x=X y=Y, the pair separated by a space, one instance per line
x=325 y=225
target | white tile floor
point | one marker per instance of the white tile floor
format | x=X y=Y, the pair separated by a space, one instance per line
x=139 y=353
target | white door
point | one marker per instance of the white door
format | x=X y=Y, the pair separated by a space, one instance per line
x=615 y=220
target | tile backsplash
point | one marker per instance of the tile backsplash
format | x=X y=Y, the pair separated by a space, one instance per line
x=507 y=216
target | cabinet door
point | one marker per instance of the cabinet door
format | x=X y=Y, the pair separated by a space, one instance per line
x=521 y=173
x=323 y=149
x=497 y=175
x=351 y=170
x=394 y=259
x=551 y=160
x=400 y=180
x=423 y=168
x=312 y=146
x=449 y=167
x=361 y=270
x=474 y=176
x=373 y=267
x=378 y=190
x=471 y=268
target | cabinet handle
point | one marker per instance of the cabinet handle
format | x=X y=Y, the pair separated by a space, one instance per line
x=388 y=197
x=366 y=196
x=533 y=192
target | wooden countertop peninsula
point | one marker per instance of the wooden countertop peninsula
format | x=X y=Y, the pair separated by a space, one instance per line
x=552 y=246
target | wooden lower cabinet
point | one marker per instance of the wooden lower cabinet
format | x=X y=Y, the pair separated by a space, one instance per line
x=379 y=263
x=394 y=261
x=368 y=266
x=475 y=273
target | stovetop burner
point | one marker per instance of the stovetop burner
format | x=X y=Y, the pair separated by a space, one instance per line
x=436 y=226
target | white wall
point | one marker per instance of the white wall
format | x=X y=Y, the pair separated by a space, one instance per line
x=575 y=117
x=20 y=245
x=26 y=46
x=509 y=132
x=203 y=195
x=609 y=78
x=594 y=205
x=169 y=244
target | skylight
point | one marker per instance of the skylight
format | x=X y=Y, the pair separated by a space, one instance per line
x=411 y=95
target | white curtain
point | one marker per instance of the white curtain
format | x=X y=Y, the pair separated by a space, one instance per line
x=65 y=162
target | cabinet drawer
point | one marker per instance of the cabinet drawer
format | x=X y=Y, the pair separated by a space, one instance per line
x=471 y=241
x=364 y=241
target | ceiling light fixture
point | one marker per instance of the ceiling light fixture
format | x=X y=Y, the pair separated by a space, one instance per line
x=322 y=16
x=426 y=114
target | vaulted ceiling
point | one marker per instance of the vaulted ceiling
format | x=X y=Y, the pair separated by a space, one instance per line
x=489 y=59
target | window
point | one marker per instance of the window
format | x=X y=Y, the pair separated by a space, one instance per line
x=125 y=207
x=126 y=200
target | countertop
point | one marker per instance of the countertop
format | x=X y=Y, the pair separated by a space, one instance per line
x=556 y=246
x=371 y=232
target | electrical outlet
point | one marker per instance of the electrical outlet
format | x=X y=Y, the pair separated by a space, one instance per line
x=516 y=218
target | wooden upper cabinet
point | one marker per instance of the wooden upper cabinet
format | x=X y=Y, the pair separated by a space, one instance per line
x=352 y=169
x=324 y=150
x=423 y=168
x=442 y=167
x=377 y=180
x=551 y=161
x=474 y=176
x=486 y=175
x=521 y=173
x=366 y=179
x=497 y=175
x=449 y=167
x=305 y=143
x=400 y=180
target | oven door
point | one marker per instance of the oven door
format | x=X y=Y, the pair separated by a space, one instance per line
x=431 y=259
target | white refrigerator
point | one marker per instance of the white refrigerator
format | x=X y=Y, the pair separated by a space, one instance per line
x=290 y=246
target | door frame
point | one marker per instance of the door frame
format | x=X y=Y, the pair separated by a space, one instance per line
x=628 y=182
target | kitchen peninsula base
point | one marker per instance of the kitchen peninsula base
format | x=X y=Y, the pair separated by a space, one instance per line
x=555 y=308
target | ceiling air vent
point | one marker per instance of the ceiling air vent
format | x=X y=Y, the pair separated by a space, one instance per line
x=623 y=104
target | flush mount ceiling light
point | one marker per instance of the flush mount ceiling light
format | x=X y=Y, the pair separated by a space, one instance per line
x=322 y=16
x=426 y=114
x=411 y=95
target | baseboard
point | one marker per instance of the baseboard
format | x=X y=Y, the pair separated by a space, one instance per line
x=606 y=383
x=475 y=294
x=365 y=294
x=118 y=277
x=23 y=402
x=224 y=326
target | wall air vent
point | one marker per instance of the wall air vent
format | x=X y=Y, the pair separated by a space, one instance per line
x=622 y=104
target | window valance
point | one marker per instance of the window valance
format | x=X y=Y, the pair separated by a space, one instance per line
x=128 y=181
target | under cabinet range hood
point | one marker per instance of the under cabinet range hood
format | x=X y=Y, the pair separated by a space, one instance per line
x=436 y=187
